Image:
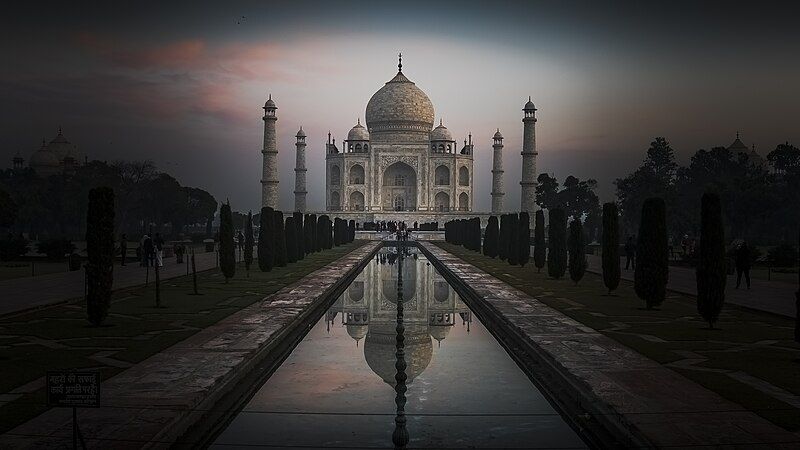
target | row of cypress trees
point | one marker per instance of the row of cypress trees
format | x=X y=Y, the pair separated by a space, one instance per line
x=465 y=232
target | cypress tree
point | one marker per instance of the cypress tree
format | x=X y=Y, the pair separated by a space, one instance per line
x=290 y=231
x=100 y=253
x=502 y=240
x=651 y=273
x=319 y=233
x=797 y=299
x=308 y=237
x=299 y=236
x=524 y=240
x=227 y=248
x=611 y=264
x=513 y=239
x=311 y=233
x=248 y=242
x=557 y=245
x=711 y=273
x=577 y=250
x=280 y=239
x=266 y=243
x=491 y=237
x=539 y=249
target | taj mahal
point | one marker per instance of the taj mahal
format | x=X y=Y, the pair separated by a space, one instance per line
x=399 y=166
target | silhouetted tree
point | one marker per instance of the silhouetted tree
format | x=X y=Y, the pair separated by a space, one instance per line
x=280 y=239
x=524 y=234
x=248 y=242
x=513 y=239
x=611 y=264
x=577 y=250
x=290 y=232
x=491 y=237
x=266 y=240
x=539 y=248
x=227 y=248
x=797 y=301
x=351 y=229
x=557 y=245
x=652 y=272
x=310 y=225
x=502 y=248
x=300 y=237
x=100 y=253
x=711 y=267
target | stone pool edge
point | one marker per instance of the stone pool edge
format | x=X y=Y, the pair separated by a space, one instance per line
x=607 y=392
x=183 y=395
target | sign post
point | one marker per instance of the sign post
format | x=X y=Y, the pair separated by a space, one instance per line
x=75 y=389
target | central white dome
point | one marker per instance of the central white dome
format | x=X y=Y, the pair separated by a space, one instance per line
x=399 y=106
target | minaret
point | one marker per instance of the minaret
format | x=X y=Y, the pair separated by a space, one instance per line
x=528 y=183
x=269 y=178
x=300 y=173
x=497 y=174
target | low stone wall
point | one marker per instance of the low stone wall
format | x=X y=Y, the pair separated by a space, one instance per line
x=387 y=235
x=178 y=396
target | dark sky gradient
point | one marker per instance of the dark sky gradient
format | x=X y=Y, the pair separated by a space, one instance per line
x=183 y=84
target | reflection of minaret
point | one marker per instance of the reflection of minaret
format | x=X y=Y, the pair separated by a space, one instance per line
x=300 y=173
x=269 y=178
x=497 y=174
x=528 y=183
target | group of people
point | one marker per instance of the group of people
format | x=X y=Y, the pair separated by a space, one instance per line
x=151 y=250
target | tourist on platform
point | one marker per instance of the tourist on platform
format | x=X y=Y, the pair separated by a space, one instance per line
x=742 y=264
x=143 y=253
x=158 y=242
x=123 y=247
x=630 y=253
x=240 y=242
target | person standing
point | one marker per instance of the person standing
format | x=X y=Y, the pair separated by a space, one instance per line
x=630 y=253
x=742 y=264
x=123 y=247
x=240 y=242
x=158 y=242
x=144 y=244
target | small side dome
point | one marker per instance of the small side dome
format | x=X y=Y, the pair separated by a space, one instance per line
x=300 y=133
x=529 y=106
x=441 y=133
x=497 y=134
x=358 y=133
x=270 y=103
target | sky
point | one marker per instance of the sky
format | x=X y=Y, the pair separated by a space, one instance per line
x=183 y=84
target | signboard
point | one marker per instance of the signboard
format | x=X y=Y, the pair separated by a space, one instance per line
x=73 y=388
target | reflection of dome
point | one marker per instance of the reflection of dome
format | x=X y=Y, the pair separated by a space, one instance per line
x=379 y=351
x=400 y=105
x=357 y=332
x=441 y=133
x=389 y=281
x=439 y=332
x=358 y=133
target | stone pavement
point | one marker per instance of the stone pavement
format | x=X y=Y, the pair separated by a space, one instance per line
x=19 y=294
x=615 y=385
x=153 y=403
x=776 y=297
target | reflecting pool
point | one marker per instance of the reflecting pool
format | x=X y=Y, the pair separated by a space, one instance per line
x=337 y=388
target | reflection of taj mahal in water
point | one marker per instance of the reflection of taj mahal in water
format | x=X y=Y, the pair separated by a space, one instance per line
x=368 y=310
x=398 y=166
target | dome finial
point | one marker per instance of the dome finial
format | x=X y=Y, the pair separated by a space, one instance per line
x=440 y=121
x=358 y=121
x=737 y=135
x=399 y=62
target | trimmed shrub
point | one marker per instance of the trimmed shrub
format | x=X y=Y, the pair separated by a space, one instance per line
x=56 y=249
x=280 y=239
x=227 y=248
x=524 y=239
x=100 y=253
x=651 y=273
x=577 y=250
x=13 y=247
x=783 y=255
x=502 y=240
x=248 y=241
x=611 y=262
x=299 y=236
x=351 y=231
x=513 y=239
x=539 y=249
x=491 y=237
x=711 y=273
x=557 y=245
x=290 y=231
x=266 y=243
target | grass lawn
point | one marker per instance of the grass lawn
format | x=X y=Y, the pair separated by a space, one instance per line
x=21 y=269
x=749 y=343
x=60 y=337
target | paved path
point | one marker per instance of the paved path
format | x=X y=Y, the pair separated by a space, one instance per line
x=23 y=293
x=776 y=297
x=153 y=403
x=614 y=384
